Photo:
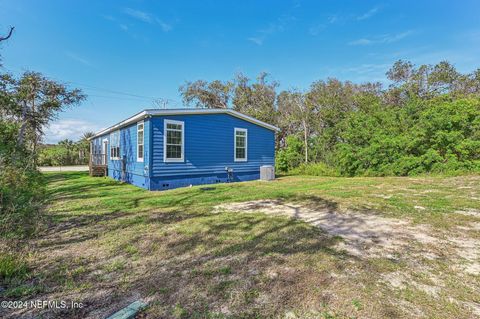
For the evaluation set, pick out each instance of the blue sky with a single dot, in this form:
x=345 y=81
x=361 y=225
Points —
x=125 y=53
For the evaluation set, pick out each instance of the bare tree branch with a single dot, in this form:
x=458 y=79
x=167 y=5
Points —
x=8 y=35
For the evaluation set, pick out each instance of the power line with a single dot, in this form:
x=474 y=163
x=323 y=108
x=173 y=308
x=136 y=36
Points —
x=117 y=97
x=113 y=91
x=92 y=87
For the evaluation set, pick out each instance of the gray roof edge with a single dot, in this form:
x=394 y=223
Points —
x=158 y=112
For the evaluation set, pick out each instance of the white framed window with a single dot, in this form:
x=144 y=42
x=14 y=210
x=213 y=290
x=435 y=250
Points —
x=240 y=145
x=140 y=139
x=115 y=145
x=173 y=141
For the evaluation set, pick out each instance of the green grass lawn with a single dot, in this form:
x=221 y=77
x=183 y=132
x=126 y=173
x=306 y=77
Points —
x=107 y=244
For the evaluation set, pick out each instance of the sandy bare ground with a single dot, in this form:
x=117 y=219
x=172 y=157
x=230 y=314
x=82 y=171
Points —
x=367 y=235
x=372 y=236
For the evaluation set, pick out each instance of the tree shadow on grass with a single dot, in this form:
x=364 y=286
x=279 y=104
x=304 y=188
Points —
x=52 y=177
x=248 y=245
x=195 y=243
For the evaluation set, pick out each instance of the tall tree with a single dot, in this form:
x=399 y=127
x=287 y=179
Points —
x=36 y=101
x=428 y=81
x=296 y=114
x=70 y=149
x=203 y=94
x=84 y=146
x=256 y=99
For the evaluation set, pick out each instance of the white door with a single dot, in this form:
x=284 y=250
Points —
x=105 y=152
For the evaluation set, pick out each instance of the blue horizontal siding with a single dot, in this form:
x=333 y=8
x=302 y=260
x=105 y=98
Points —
x=135 y=171
x=209 y=149
x=209 y=146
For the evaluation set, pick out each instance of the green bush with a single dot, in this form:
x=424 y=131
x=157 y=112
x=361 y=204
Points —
x=291 y=155
x=22 y=189
x=65 y=152
x=12 y=266
x=438 y=136
x=315 y=169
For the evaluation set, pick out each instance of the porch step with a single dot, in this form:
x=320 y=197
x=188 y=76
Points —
x=98 y=171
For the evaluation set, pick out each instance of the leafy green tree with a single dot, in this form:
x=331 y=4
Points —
x=428 y=81
x=84 y=147
x=424 y=121
x=451 y=129
x=203 y=94
x=27 y=105
x=36 y=101
x=255 y=99
x=291 y=155
x=296 y=113
x=443 y=137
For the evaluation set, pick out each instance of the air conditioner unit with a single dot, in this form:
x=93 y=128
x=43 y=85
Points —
x=267 y=173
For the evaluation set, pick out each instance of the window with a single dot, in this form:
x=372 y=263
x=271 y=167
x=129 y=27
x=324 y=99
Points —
x=140 y=138
x=174 y=141
x=240 y=145
x=115 y=145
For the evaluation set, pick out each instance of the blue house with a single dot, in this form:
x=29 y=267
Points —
x=164 y=149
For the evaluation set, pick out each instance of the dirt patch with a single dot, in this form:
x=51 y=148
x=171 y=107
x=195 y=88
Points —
x=363 y=234
x=469 y=212
x=367 y=235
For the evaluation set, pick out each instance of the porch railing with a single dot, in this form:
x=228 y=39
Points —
x=98 y=159
x=98 y=165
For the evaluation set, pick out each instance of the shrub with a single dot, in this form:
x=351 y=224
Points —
x=22 y=188
x=315 y=169
x=438 y=136
x=12 y=266
x=291 y=155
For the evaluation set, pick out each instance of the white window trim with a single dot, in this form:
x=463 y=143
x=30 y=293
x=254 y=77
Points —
x=173 y=160
x=102 y=146
x=235 y=144
x=111 y=145
x=140 y=159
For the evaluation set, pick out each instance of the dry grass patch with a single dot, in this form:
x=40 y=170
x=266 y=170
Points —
x=108 y=244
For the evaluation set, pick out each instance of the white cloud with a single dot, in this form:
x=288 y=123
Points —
x=257 y=41
x=147 y=18
x=108 y=17
x=316 y=29
x=333 y=19
x=278 y=26
x=386 y=38
x=140 y=15
x=362 y=41
x=165 y=26
x=342 y=18
x=68 y=128
x=396 y=37
x=367 y=15
x=74 y=56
